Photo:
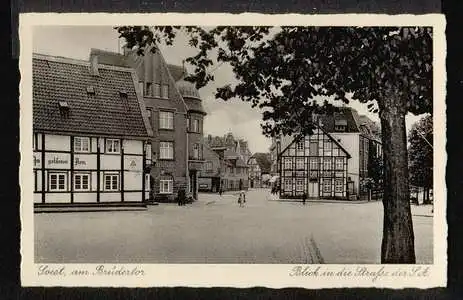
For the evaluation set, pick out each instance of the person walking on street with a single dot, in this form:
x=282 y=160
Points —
x=240 y=199
x=304 y=197
x=220 y=191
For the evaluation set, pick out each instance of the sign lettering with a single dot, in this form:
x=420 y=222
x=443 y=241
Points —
x=78 y=161
x=57 y=161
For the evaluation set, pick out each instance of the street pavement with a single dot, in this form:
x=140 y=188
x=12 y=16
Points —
x=215 y=229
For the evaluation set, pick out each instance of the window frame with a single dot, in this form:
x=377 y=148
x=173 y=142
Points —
x=288 y=161
x=157 y=90
x=195 y=126
x=168 y=118
x=161 y=150
x=300 y=166
x=338 y=183
x=288 y=183
x=339 y=163
x=300 y=145
x=81 y=139
x=81 y=174
x=327 y=183
x=299 y=185
x=170 y=186
x=148 y=89
x=108 y=150
x=57 y=188
x=164 y=91
x=112 y=175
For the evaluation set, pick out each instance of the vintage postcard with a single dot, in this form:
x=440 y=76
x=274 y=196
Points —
x=233 y=150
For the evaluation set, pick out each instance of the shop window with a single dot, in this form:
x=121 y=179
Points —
x=299 y=185
x=339 y=186
x=288 y=184
x=81 y=144
x=166 y=150
x=81 y=182
x=57 y=182
x=327 y=186
x=111 y=182
x=113 y=146
x=166 y=120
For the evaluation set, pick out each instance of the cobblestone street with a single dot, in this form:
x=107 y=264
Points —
x=216 y=230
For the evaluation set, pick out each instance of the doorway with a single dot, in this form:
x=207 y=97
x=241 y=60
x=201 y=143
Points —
x=313 y=188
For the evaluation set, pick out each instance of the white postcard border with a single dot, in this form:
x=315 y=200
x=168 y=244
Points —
x=234 y=275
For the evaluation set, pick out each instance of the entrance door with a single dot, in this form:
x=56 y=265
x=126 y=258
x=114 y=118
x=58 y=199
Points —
x=313 y=189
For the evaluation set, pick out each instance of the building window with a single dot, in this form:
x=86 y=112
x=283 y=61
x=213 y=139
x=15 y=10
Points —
x=195 y=125
x=157 y=90
x=288 y=163
x=209 y=166
x=300 y=145
x=299 y=185
x=57 y=182
x=339 y=163
x=327 y=147
x=313 y=149
x=340 y=128
x=313 y=163
x=188 y=123
x=149 y=112
x=166 y=186
x=327 y=186
x=81 y=144
x=81 y=182
x=166 y=120
x=288 y=184
x=300 y=163
x=339 y=186
x=166 y=150
x=327 y=163
x=197 y=151
x=111 y=182
x=165 y=91
x=148 y=89
x=113 y=146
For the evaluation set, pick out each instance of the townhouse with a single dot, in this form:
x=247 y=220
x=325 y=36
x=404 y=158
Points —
x=175 y=113
x=91 y=137
x=332 y=162
x=255 y=173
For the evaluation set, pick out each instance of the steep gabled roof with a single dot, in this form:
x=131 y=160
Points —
x=300 y=136
x=347 y=114
x=103 y=112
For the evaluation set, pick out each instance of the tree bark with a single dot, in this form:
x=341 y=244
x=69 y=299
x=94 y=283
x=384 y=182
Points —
x=398 y=237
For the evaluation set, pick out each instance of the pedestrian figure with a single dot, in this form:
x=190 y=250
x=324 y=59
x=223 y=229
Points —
x=244 y=197
x=181 y=198
x=220 y=191
x=304 y=197
x=240 y=200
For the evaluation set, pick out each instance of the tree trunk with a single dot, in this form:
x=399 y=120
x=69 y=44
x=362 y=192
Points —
x=398 y=237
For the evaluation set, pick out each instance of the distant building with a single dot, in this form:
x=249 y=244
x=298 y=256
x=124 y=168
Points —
x=176 y=115
x=330 y=163
x=91 y=136
x=229 y=154
x=255 y=173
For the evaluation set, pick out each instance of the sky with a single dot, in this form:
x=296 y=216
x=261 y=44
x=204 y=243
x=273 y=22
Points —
x=231 y=116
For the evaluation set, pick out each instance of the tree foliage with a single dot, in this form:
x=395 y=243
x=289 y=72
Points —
x=263 y=159
x=420 y=152
x=284 y=70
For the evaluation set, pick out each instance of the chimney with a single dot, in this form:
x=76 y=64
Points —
x=94 y=65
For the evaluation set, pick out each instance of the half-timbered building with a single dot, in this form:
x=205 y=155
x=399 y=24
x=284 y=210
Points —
x=91 y=137
x=315 y=165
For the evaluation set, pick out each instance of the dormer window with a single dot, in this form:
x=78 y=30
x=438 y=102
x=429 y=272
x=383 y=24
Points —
x=64 y=108
x=340 y=125
x=123 y=94
x=90 y=90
